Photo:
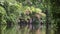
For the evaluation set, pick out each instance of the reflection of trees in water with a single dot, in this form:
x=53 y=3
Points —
x=22 y=23
x=10 y=29
x=9 y=24
x=4 y=28
x=31 y=26
x=24 y=27
x=22 y=30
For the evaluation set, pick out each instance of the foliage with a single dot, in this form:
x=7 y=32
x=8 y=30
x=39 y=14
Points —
x=13 y=11
x=2 y=15
x=55 y=7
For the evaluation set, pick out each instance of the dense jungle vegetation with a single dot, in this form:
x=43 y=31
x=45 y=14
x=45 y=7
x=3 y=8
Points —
x=12 y=10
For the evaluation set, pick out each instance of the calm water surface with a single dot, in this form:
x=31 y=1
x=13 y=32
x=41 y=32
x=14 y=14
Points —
x=17 y=29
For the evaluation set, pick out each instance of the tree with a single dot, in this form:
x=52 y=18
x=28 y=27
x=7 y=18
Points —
x=55 y=7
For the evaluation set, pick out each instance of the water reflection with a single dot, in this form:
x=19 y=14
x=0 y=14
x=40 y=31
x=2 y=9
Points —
x=17 y=29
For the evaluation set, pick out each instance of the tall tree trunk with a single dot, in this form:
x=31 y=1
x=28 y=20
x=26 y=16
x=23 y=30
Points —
x=47 y=21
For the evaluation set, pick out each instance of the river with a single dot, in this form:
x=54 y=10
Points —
x=17 y=29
